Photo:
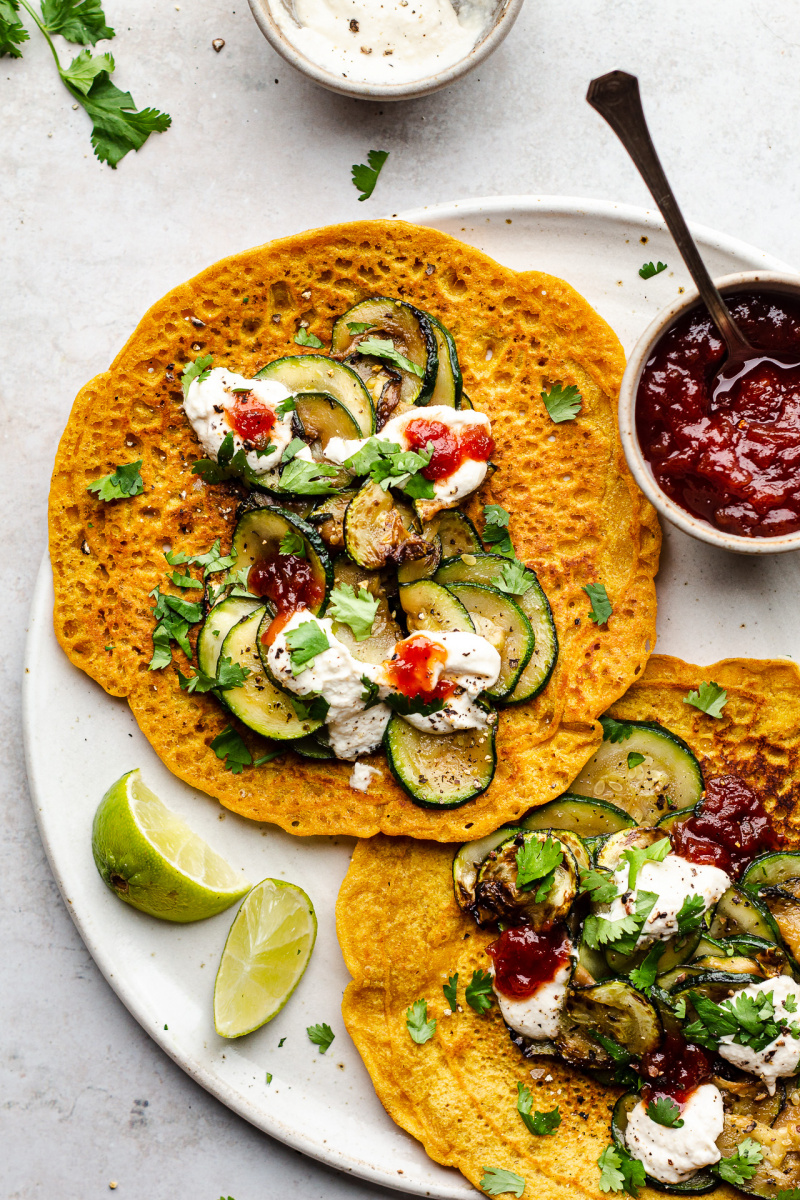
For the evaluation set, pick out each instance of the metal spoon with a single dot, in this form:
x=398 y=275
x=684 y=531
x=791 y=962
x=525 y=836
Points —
x=616 y=97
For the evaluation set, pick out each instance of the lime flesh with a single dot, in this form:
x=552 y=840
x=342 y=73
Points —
x=152 y=860
x=265 y=956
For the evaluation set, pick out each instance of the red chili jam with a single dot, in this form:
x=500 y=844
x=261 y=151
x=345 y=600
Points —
x=675 y=1069
x=731 y=828
x=412 y=669
x=732 y=458
x=451 y=448
x=251 y=419
x=525 y=959
x=288 y=581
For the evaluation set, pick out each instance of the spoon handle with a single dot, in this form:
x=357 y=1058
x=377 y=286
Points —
x=616 y=97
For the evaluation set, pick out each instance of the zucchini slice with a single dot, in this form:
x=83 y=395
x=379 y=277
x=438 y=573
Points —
x=449 y=383
x=378 y=528
x=770 y=870
x=440 y=770
x=738 y=913
x=458 y=534
x=669 y=822
x=669 y=778
x=471 y=567
x=776 y=1131
x=430 y=606
x=591 y=967
x=503 y=623
x=714 y=985
x=614 y=1009
x=328 y=518
x=408 y=329
x=217 y=625
x=701 y=1182
x=497 y=894
x=320 y=418
x=383 y=383
x=312 y=747
x=386 y=633
x=301 y=373
x=467 y=862
x=258 y=536
x=636 y=838
x=258 y=703
x=588 y=818
x=677 y=951
x=422 y=568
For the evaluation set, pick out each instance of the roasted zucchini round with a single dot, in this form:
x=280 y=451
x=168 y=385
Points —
x=440 y=770
x=301 y=373
x=219 y=622
x=409 y=332
x=503 y=623
x=458 y=534
x=498 y=897
x=429 y=606
x=449 y=383
x=467 y=862
x=259 y=533
x=588 y=818
x=380 y=528
x=613 y=1009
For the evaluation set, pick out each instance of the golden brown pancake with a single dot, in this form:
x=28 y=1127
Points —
x=577 y=515
x=402 y=934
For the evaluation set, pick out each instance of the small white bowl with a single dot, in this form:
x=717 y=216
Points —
x=729 y=284
x=505 y=15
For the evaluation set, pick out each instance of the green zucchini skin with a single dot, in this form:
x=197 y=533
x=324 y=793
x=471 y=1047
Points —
x=491 y=604
x=770 y=870
x=410 y=331
x=613 y=1008
x=217 y=625
x=587 y=818
x=739 y=912
x=449 y=382
x=429 y=606
x=701 y=1183
x=440 y=771
x=258 y=535
x=301 y=373
x=458 y=534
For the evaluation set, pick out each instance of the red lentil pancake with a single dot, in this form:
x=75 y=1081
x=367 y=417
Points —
x=576 y=514
x=403 y=934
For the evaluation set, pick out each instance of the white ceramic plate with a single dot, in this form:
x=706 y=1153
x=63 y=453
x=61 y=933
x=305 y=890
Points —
x=711 y=605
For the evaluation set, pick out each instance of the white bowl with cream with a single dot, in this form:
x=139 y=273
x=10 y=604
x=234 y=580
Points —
x=385 y=49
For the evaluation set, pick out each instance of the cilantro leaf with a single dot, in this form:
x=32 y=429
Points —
x=200 y=370
x=637 y=858
x=122 y=482
x=173 y=616
x=710 y=698
x=364 y=459
x=286 y=406
x=12 y=32
x=619 y=1172
x=293 y=449
x=615 y=731
x=650 y=269
x=788 y=1194
x=748 y=1020
x=85 y=67
x=184 y=581
x=229 y=675
x=601 y=884
x=306 y=478
x=601 y=605
x=644 y=976
x=389 y=466
x=690 y=914
x=316 y=709
x=116 y=127
x=742 y=1165
x=305 y=642
x=211 y=561
x=358 y=326
x=495 y=531
x=514 y=578
x=370 y=695
x=230 y=748
x=81 y=21
x=634 y=759
x=623 y=933
x=292 y=543
x=383 y=348
x=304 y=338
x=479 y=992
x=365 y=177
x=790 y=1004
x=539 y=1123
x=562 y=403
x=451 y=992
x=356 y=611
x=664 y=1111
x=496 y=1182
x=407 y=706
x=417 y=1023
x=321 y=1035
x=537 y=861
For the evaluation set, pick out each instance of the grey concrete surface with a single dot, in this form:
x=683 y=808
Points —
x=256 y=151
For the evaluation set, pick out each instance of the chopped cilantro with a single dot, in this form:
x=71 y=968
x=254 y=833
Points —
x=650 y=269
x=269 y=1081
x=370 y=695
x=619 y=1172
x=514 y=578
x=229 y=747
x=321 y=1035
x=623 y=933
x=636 y=858
x=407 y=705
x=495 y=532
x=419 y=1027
x=601 y=605
x=365 y=177
x=562 y=403
x=229 y=675
x=286 y=406
x=690 y=914
x=306 y=478
x=537 y=862
x=313 y=708
x=305 y=642
x=539 y=1123
x=357 y=327
x=304 y=338
x=212 y=561
x=664 y=1111
x=292 y=543
x=742 y=1165
x=644 y=976
x=122 y=482
x=389 y=466
x=710 y=698
x=383 y=348
x=184 y=581
x=450 y=991
x=479 y=992
x=750 y=1021
x=173 y=616
x=496 y=1182
x=634 y=759
x=200 y=370
x=600 y=883
x=356 y=611
x=615 y=731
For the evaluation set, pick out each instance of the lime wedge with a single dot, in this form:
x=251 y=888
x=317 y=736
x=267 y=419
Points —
x=266 y=953
x=151 y=858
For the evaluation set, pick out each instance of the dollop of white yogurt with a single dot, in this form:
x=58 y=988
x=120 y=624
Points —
x=453 y=488
x=675 y=1155
x=208 y=401
x=537 y=1016
x=397 y=41
x=362 y=776
x=672 y=880
x=782 y=1056
x=470 y=661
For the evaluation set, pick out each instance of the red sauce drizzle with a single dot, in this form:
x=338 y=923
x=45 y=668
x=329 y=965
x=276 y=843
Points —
x=675 y=1069
x=450 y=448
x=251 y=419
x=524 y=959
x=733 y=458
x=288 y=581
x=731 y=828
x=412 y=669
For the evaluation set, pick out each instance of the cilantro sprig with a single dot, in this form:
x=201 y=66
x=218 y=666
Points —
x=644 y=976
x=292 y=543
x=537 y=863
x=366 y=176
x=304 y=337
x=600 y=884
x=450 y=990
x=753 y=1021
x=495 y=531
x=198 y=370
x=420 y=1029
x=664 y=1111
x=357 y=611
x=619 y=1172
x=562 y=403
x=383 y=348
x=690 y=914
x=710 y=698
x=321 y=1035
x=540 y=1123
x=407 y=706
x=120 y=484
x=173 y=616
x=649 y=269
x=601 y=605
x=496 y=1181
x=229 y=675
x=479 y=992
x=515 y=578
x=231 y=750
x=622 y=933
x=616 y=731
x=741 y=1166
x=306 y=641
x=636 y=858
x=390 y=466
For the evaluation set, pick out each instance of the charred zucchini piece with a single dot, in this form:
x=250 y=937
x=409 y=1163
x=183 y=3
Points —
x=312 y=747
x=676 y=951
x=503 y=623
x=378 y=529
x=587 y=818
x=636 y=838
x=440 y=771
x=386 y=633
x=715 y=985
x=383 y=383
x=471 y=567
x=320 y=418
x=409 y=331
x=217 y=625
x=422 y=568
x=449 y=383
x=568 y=837
x=328 y=518
x=315 y=373
x=429 y=606
x=457 y=533
x=258 y=703
x=701 y=1182
x=258 y=536
x=467 y=862
x=771 y=870
x=613 y=1009
x=498 y=897
x=778 y=1135
x=737 y=912
x=669 y=778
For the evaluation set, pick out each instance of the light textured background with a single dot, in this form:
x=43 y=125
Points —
x=255 y=152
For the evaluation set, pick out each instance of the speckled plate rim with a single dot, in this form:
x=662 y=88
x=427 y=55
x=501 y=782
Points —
x=50 y=787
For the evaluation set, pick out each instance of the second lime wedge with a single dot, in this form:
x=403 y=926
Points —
x=267 y=951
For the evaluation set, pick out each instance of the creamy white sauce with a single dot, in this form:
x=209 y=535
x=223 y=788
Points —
x=462 y=482
x=537 y=1016
x=474 y=664
x=362 y=776
x=460 y=712
x=672 y=880
x=388 y=42
x=334 y=673
x=782 y=1056
x=206 y=405
x=361 y=734
x=674 y=1155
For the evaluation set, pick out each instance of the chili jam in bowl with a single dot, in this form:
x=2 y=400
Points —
x=724 y=468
